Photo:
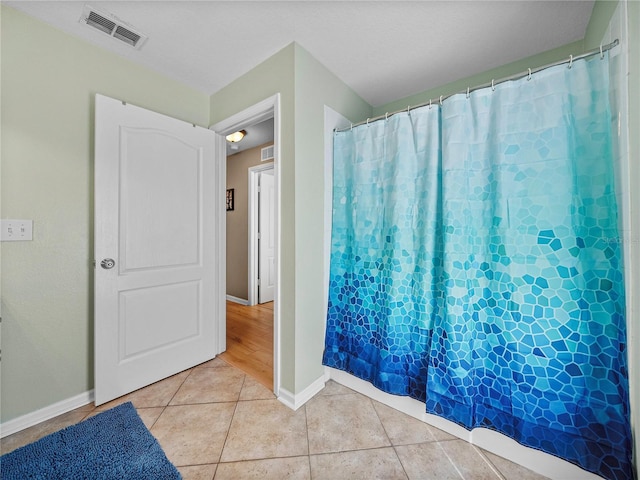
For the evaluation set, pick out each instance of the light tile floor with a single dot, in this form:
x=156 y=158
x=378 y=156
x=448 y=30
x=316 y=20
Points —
x=215 y=422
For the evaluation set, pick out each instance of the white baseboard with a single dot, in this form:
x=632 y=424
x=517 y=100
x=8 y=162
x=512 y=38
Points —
x=494 y=442
x=46 y=413
x=241 y=301
x=295 y=401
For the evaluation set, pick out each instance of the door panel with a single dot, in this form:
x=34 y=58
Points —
x=267 y=244
x=147 y=318
x=155 y=216
x=160 y=214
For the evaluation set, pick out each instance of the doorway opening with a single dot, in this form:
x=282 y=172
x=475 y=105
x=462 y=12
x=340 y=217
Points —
x=261 y=238
x=250 y=324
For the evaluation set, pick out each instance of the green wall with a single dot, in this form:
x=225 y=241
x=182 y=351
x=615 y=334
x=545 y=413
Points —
x=599 y=22
x=461 y=85
x=315 y=87
x=49 y=80
x=275 y=75
x=305 y=87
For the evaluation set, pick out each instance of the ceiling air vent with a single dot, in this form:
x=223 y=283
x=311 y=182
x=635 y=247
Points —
x=266 y=153
x=112 y=26
x=126 y=36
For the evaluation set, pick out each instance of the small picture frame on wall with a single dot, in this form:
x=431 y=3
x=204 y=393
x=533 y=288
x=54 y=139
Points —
x=229 y=199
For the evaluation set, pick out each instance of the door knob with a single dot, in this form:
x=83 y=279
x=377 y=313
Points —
x=108 y=263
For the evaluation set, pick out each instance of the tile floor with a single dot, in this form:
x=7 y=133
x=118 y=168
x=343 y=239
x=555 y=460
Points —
x=215 y=422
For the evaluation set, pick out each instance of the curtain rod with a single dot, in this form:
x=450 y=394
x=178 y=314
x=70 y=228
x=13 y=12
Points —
x=600 y=50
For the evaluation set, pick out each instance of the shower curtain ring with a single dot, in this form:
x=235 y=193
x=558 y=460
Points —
x=601 y=52
x=570 y=61
x=440 y=100
x=529 y=76
x=493 y=87
x=367 y=122
x=467 y=92
x=429 y=104
x=386 y=116
x=352 y=127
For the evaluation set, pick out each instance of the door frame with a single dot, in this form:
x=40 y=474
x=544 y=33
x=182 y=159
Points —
x=267 y=108
x=253 y=203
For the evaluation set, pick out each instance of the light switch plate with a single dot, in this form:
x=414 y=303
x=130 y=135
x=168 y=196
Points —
x=16 y=230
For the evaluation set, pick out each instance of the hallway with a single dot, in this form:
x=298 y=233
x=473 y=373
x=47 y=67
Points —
x=250 y=340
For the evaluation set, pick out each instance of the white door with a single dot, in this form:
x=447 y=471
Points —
x=155 y=241
x=267 y=237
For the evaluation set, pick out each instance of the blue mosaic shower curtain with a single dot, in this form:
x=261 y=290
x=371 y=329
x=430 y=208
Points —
x=383 y=287
x=476 y=266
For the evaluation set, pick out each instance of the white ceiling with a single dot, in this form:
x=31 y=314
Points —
x=257 y=134
x=384 y=50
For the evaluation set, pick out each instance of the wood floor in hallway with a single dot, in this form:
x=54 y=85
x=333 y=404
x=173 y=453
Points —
x=250 y=340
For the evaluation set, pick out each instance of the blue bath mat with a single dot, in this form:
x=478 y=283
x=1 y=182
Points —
x=111 y=445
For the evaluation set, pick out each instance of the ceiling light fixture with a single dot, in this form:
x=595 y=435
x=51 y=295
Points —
x=236 y=136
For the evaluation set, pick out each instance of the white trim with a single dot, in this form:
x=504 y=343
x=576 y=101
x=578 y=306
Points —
x=494 y=442
x=30 y=419
x=239 y=300
x=295 y=401
x=288 y=398
x=267 y=108
x=257 y=113
x=625 y=167
x=253 y=199
x=221 y=241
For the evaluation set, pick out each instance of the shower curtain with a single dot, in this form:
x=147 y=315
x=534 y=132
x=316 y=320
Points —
x=476 y=267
